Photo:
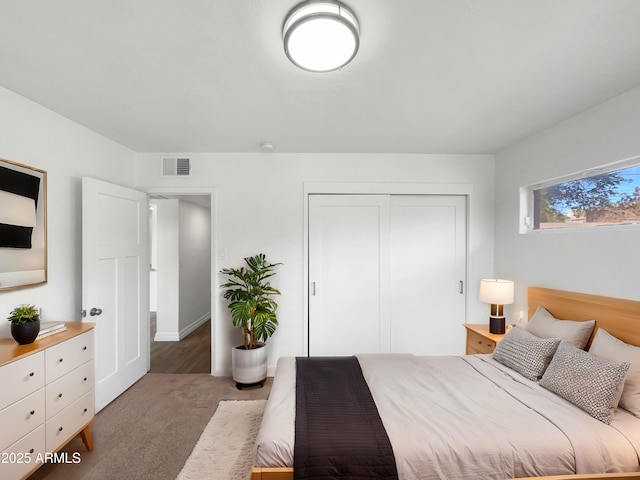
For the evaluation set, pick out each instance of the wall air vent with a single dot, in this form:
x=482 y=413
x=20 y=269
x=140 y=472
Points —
x=176 y=167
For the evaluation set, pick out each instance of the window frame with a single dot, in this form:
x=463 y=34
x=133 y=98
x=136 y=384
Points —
x=528 y=211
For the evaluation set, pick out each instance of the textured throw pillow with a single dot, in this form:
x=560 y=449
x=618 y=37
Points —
x=525 y=353
x=610 y=348
x=545 y=325
x=589 y=382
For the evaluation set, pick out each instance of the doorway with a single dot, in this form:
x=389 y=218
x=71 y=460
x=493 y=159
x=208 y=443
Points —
x=180 y=283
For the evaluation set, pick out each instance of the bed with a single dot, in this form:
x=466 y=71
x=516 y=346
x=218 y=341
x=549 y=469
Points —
x=473 y=427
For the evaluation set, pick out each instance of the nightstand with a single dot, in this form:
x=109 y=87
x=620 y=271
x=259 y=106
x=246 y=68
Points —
x=480 y=340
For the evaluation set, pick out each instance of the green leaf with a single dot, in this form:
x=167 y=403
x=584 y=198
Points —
x=250 y=293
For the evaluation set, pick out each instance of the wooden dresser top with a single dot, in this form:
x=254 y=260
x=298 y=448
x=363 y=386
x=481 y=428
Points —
x=11 y=351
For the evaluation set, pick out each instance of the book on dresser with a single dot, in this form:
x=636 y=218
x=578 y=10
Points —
x=49 y=328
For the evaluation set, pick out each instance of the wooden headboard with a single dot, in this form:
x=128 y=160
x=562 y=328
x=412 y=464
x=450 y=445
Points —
x=619 y=317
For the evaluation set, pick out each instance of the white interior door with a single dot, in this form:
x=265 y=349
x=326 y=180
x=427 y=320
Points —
x=428 y=264
x=115 y=278
x=385 y=274
x=348 y=304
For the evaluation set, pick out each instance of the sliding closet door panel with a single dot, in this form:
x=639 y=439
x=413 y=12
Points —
x=348 y=274
x=428 y=257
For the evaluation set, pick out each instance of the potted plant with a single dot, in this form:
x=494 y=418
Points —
x=25 y=323
x=253 y=310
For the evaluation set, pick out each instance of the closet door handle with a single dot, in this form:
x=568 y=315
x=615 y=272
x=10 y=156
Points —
x=461 y=287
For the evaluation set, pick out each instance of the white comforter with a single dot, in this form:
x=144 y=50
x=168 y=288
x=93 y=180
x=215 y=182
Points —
x=465 y=417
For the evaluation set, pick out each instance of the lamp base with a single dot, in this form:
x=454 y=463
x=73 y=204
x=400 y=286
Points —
x=497 y=325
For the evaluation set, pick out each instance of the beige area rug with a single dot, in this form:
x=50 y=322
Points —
x=225 y=448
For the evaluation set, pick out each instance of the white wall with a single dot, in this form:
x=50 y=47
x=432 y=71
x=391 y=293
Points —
x=33 y=135
x=195 y=266
x=153 y=254
x=168 y=269
x=259 y=208
x=600 y=261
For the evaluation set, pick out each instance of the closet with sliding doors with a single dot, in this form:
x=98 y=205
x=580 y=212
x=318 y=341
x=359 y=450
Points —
x=386 y=274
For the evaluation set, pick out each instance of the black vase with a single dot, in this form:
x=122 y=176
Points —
x=25 y=333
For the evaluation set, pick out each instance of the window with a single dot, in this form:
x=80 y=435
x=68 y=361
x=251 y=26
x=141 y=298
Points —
x=594 y=198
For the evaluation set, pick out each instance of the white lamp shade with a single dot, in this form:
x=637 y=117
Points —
x=321 y=36
x=496 y=291
x=17 y=210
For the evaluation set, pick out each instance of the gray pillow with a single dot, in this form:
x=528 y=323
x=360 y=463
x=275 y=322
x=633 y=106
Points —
x=589 y=382
x=525 y=353
x=607 y=346
x=545 y=325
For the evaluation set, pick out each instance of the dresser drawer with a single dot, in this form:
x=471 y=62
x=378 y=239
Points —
x=21 y=417
x=69 y=421
x=25 y=376
x=21 y=457
x=69 y=388
x=478 y=344
x=67 y=356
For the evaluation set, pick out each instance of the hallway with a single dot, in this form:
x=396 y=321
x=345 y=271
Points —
x=191 y=355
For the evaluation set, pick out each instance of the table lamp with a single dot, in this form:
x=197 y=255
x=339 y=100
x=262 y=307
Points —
x=497 y=292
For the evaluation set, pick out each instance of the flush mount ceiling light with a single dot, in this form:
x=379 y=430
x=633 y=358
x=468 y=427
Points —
x=321 y=36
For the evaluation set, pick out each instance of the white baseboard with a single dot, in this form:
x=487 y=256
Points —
x=190 y=328
x=166 y=337
x=172 y=336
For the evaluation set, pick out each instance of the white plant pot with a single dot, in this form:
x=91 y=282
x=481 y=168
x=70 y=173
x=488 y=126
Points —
x=249 y=366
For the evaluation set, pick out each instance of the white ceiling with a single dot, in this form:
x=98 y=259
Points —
x=431 y=76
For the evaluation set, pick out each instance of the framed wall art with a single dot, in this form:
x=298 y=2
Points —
x=23 y=225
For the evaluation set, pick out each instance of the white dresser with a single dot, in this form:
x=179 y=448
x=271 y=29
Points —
x=46 y=398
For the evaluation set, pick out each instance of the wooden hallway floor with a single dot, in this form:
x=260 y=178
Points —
x=191 y=355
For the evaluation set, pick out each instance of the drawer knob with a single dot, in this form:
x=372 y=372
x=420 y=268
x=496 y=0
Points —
x=84 y=379
x=84 y=348
x=31 y=450
x=61 y=360
x=60 y=429
x=84 y=411
x=31 y=374
x=32 y=412
x=59 y=395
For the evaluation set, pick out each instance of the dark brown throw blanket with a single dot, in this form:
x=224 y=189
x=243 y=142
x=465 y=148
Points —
x=339 y=433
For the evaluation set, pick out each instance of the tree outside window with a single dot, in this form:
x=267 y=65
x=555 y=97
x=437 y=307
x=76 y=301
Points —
x=611 y=198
